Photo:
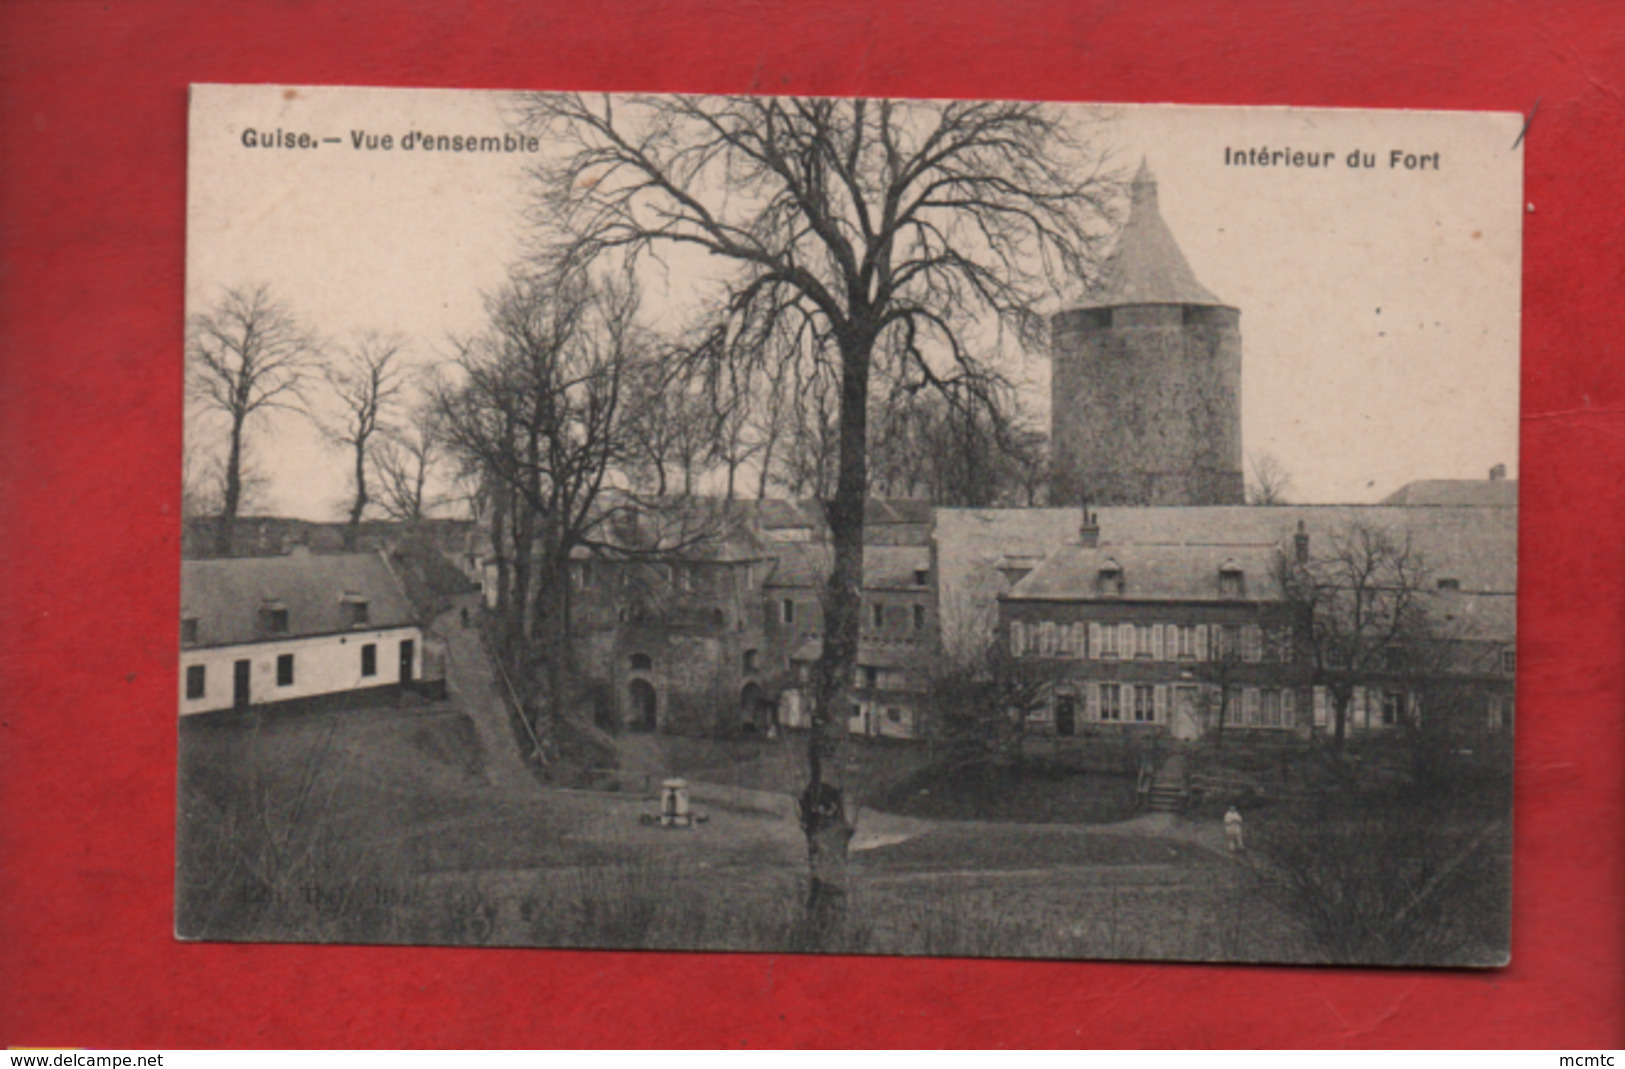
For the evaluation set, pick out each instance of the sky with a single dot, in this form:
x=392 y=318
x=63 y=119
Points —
x=1379 y=306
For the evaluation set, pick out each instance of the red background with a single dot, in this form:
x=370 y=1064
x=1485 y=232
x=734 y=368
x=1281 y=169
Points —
x=92 y=165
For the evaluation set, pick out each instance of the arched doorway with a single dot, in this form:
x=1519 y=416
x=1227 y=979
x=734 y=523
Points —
x=641 y=694
x=751 y=720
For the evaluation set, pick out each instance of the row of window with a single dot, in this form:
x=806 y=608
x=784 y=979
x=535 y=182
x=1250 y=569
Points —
x=1151 y=642
x=877 y=614
x=197 y=676
x=1146 y=703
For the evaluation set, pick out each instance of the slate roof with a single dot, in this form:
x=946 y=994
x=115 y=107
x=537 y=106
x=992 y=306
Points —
x=1152 y=573
x=884 y=567
x=1147 y=266
x=1477 y=546
x=1501 y=493
x=226 y=595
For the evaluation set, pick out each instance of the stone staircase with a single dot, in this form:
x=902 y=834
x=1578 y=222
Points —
x=1170 y=787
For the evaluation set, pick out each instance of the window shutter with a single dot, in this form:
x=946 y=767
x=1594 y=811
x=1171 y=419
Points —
x=1318 y=703
x=1157 y=642
x=1288 y=720
x=1094 y=642
x=1125 y=641
x=1201 y=642
x=1161 y=706
x=1080 y=638
x=1018 y=638
x=1092 y=698
x=1252 y=707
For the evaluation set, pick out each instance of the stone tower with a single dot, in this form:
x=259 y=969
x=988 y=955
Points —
x=1146 y=383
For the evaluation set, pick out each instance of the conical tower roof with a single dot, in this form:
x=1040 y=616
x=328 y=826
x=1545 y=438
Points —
x=1147 y=266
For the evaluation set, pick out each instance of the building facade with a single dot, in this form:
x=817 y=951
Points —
x=1178 y=626
x=264 y=630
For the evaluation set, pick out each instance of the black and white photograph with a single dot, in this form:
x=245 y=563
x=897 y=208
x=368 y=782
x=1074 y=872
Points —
x=966 y=528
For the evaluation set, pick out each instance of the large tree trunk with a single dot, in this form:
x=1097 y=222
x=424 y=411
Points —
x=825 y=810
x=225 y=531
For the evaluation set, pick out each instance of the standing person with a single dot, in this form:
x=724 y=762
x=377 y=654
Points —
x=1232 y=830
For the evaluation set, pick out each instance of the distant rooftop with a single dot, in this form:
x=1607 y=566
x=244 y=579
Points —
x=312 y=593
x=1501 y=493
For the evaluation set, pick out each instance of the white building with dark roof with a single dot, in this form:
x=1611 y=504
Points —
x=261 y=630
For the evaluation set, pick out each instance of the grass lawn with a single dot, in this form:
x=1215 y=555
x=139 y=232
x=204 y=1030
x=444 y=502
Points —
x=379 y=825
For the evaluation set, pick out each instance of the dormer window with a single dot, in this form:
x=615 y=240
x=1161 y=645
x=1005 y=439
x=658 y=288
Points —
x=922 y=577
x=1109 y=580
x=189 y=629
x=274 y=618
x=1232 y=581
x=357 y=610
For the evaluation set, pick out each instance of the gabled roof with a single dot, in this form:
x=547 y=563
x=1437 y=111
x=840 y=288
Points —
x=1147 y=266
x=225 y=596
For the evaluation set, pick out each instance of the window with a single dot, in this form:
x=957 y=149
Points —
x=1111 y=701
x=750 y=660
x=871 y=676
x=284 y=670
x=369 y=660
x=1449 y=584
x=1509 y=661
x=1252 y=643
x=359 y=612
x=919 y=617
x=1110 y=579
x=1108 y=640
x=787 y=611
x=1142 y=641
x=895 y=716
x=274 y=620
x=1231 y=581
x=1018 y=638
x=1392 y=709
x=189 y=631
x=1145 y=703
x=878 y=612
x=642 y=662
x=1229 y=641
x=1046 y=638
x=1271 y=715
x=196 y=681
x=1187 y=642
x=921 y=577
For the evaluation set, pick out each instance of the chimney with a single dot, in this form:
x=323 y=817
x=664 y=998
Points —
x=1498 y=473
x=1300 y=544
x=1089 y=531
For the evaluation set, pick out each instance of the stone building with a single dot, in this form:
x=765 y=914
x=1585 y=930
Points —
x=718 y=639
x=1162 y=621
x=1146 y=379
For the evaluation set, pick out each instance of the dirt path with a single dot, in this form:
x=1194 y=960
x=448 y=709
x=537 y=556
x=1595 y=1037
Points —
x=473 y=684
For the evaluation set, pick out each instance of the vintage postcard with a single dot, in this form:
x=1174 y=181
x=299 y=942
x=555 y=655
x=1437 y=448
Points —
x=863 y=526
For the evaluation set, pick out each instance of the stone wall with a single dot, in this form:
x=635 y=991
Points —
x=1146 y=406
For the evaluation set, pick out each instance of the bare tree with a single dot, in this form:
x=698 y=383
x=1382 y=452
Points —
x=366 y=380
x=840 y=223
x=406 y=460
x=1270 y=484
x=1360 y=608
x=246 y=356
